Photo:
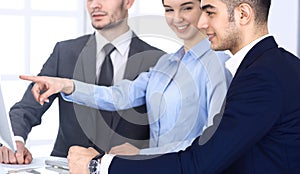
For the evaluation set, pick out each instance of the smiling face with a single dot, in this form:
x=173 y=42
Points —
x=182 y=16
x=222 y=32
x=107 y=13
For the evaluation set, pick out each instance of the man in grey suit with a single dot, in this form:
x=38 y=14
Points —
x=82 y=59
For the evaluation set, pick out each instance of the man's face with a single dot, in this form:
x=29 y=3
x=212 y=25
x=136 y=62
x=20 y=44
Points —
x=107 y=13
x=222 y=33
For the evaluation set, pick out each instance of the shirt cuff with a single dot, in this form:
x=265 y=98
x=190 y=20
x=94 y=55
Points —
x=81 y=91
x=105 y=163
x=19 y=138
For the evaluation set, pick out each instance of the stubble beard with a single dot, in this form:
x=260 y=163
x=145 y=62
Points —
x=108 y=26
x=229 y=40
x=111 y=24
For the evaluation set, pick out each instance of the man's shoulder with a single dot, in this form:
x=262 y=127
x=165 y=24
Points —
x=81 y=39
x=140 y=45
x=76 y=44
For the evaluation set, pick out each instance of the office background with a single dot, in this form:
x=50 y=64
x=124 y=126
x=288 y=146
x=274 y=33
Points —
x=30 y=28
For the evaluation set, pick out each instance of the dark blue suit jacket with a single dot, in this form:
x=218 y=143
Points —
x=259 y=132
x=80 y=125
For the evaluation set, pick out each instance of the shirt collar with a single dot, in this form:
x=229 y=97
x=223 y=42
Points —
x=196 y=52
x=234 y=62
x=121 y=43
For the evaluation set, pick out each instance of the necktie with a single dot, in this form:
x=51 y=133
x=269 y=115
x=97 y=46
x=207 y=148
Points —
x=106 y=79
x=107 y=70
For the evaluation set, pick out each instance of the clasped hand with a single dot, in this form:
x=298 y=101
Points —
x=22 y=156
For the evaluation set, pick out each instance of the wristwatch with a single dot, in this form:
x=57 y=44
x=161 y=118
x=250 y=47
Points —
x=94 y=165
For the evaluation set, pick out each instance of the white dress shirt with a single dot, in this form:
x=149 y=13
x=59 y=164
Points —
x=234 y=62
x=119 y=56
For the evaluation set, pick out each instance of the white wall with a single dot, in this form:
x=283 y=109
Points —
x=147 y=20
x=29 y=29
x=284 y=24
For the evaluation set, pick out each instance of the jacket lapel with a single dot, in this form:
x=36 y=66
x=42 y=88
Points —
x=256 y=52
x=134 y=59
x=85 y=69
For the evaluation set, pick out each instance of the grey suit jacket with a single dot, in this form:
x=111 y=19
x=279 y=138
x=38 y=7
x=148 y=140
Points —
x=80 y=125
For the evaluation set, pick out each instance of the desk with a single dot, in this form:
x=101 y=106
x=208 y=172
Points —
x=41 y=170
x=36 y=171
x=36 y=167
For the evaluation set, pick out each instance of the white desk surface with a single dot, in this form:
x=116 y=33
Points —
x=36 y=167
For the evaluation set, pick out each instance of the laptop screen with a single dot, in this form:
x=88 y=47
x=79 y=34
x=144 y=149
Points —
x=6 y=133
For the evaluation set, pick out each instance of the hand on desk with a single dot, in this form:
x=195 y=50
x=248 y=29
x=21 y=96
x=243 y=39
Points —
x=22 y=156
x=79 y=159
x=125 y=149
x=49 y=86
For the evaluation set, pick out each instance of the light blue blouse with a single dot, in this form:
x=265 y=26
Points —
x=182 y=93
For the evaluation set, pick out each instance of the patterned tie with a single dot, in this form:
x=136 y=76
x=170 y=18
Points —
x=107 y=69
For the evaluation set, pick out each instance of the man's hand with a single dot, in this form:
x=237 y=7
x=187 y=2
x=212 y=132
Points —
x=22 y=156
x=79 y=159
x=46 y=86
x=124 y=149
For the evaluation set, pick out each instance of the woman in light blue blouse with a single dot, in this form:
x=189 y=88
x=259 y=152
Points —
x=182 y=92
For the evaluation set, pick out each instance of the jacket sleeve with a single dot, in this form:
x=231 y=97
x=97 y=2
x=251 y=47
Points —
x=27 y=113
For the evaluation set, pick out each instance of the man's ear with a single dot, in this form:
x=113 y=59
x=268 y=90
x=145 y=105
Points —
x=128 y=4
x=244 y=13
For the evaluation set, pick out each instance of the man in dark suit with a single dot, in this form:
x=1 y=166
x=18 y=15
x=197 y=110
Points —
x=258 y=130
x=77 y=58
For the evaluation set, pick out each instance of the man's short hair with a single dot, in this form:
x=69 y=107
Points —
x=261 y=8
x=163 y=2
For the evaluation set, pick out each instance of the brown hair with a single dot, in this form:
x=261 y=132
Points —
x=163 y=2
x=261 y=8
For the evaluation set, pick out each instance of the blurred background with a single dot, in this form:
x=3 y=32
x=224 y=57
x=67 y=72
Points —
x=30 y=28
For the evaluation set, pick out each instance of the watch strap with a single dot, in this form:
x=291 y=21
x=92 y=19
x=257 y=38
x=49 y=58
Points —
x=99 y=150
x=97 y=157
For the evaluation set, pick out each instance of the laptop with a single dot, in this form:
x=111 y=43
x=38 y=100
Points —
x=6 y=133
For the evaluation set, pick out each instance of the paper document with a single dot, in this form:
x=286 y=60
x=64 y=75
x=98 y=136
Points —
x=57 y=164
x=16 y=168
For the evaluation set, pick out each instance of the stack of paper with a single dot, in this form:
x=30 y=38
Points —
x=13 y=168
